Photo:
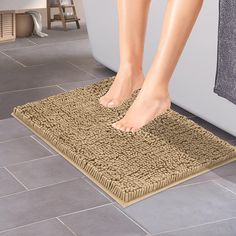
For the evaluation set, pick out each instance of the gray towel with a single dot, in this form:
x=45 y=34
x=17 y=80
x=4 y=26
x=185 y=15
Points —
x=225 y=81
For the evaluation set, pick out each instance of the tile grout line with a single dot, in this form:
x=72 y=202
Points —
x=13 y=59
x=90 y=81
x=17 y=48
x=43 y=145
x=32 y=189
x=76 y=66
x=35 y=65
x=56 y=183
x=222 y=186
x=66 y=226
x=191 y=184
x=24 y=162
x=69 y=41
x=61 y=88
x=44 y=44
x=134 y=221
x=28 y=89
x=35 y=44
x=13 y=139
x=194 y=226
x=88 y=209
x=85 y=179
x=22 y=226
x=55 y=217
x=16 y=178
x=12 y=194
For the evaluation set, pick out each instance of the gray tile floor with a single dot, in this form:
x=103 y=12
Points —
x=42 y=194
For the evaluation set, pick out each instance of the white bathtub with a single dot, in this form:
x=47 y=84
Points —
x=193 y=81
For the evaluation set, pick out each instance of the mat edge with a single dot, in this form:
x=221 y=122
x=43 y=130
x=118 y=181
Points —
x=122 y=203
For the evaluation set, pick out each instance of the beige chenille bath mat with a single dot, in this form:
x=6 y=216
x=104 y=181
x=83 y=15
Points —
x=129 y=167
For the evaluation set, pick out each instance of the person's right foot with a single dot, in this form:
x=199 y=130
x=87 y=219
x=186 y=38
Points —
x=125 y=84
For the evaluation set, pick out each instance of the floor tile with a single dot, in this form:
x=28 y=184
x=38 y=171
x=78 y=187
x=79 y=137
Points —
x=223 y=228
x=183 y=207
x=8 y=183
x=181 y=110
x=57 y=34
x=97 y=70
x=40 y=141
x=51 y=227
x=98 y=188
x=11 y=99
x=17 y=130
x=86 y=61
x=48 y=202
x=228 y=182
x=19 y=150
x=19 y=43
x=41 y=76
x=215 y=130
x=224 y=171
x=78 y=50
x=233 y=142
x=81 y=84
x=105 y=221
x=48 y=171
x=7 y=64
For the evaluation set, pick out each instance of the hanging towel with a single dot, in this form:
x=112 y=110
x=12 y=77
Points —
x=38 y=26
x=225 y=81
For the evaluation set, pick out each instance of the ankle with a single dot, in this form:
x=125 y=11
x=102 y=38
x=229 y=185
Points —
x=131 y=69
x=158 y=94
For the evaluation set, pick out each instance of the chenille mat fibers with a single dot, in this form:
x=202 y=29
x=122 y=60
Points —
x=127 y=166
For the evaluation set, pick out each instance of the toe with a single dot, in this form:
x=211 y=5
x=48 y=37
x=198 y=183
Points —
x=116 y=125
x=113 y=103
x=103 y=100
x=122 y=128
x=133 y=130
x=127 y=129
x=110 y=103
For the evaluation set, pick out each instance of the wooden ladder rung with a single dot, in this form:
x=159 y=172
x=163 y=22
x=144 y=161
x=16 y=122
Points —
x=63 y=6
x=71 y=20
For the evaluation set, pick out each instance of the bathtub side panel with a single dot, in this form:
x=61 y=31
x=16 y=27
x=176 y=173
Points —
x=193 y=80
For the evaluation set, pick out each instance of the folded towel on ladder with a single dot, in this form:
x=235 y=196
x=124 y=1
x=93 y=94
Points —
x=225 y=81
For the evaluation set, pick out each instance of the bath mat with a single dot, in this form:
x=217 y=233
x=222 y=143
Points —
x=129 y=167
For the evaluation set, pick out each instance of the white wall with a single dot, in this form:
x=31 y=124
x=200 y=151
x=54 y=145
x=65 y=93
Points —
x=21 y=4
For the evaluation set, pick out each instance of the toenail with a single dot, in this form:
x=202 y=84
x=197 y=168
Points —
x=110 y=104
x=133 y=130
x=127 y=129
x=117 y=126
x=122 y=129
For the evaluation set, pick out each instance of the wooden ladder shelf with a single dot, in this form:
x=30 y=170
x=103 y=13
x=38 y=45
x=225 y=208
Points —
x=62 y=13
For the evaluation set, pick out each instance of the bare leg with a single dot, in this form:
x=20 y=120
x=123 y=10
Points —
x=132 y=27
x=154 y=97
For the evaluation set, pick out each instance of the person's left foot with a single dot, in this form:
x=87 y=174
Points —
x=146 y=107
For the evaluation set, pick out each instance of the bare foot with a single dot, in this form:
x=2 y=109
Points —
x=125 y=84
x=146 y=107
